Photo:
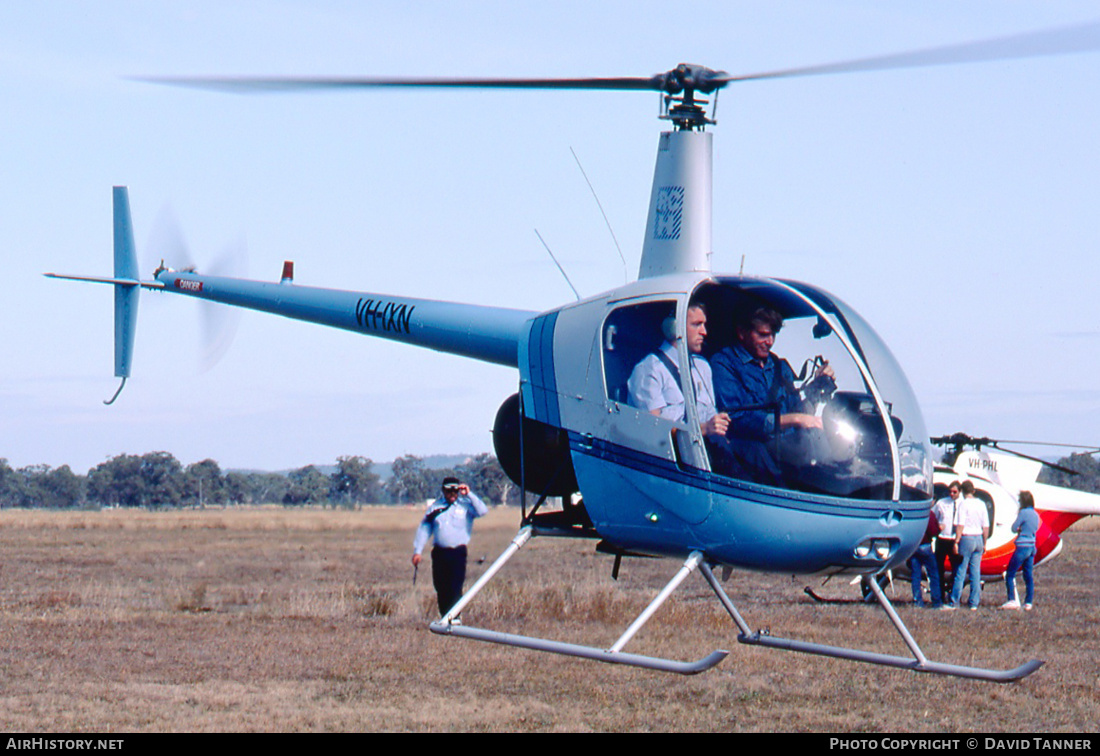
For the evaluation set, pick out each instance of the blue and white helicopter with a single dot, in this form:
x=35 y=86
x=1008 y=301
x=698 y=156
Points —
x=636 y=483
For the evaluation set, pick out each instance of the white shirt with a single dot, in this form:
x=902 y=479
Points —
x=944 y=510
x=452 y=526
x=652 y=387
x=971 y=517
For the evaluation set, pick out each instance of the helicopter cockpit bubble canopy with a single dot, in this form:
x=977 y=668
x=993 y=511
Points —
x=868 y=442
x=872 y=443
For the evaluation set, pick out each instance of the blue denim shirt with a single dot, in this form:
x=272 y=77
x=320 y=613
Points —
x=741 y=381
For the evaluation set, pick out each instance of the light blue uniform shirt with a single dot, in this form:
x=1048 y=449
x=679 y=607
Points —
x=452 y=527
x=652 y=387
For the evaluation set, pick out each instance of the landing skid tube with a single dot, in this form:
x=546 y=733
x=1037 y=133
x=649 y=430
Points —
x=585 y=652
x=448 y=625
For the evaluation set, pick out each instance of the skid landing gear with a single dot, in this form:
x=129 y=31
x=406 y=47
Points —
x=615 y=654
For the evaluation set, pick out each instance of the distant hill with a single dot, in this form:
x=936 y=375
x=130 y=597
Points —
x=385 y=469
x=432 y=462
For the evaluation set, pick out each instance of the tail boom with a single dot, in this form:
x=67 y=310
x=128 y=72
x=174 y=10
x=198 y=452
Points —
x=490 y=334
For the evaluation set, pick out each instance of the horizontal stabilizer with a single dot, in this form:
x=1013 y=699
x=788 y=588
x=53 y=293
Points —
x=107 y=280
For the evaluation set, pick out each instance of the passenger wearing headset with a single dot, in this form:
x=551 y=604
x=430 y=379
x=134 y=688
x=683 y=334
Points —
x=654 y=384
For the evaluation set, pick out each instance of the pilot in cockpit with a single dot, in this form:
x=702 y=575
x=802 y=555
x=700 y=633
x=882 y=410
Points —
x=655 y=386
x=757 y=389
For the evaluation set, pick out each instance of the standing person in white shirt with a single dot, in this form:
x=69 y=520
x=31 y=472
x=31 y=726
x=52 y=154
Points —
x=944 y=512
x=449 y=522
x=971 y=529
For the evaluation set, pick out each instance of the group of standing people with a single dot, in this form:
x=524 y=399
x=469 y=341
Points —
x=958 y=529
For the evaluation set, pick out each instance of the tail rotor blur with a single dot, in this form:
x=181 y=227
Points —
x=219 y=323
x=168 y=248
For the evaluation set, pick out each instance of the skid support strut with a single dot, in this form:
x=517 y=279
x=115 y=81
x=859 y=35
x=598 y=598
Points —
x=613 y=655
x=919 y=663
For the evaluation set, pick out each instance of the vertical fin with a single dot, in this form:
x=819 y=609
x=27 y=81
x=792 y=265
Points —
x=678 y=229
x=126 y=294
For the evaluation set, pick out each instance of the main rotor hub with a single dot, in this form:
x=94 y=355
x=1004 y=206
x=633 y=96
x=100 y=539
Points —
x=680 y=86
x=688 y=77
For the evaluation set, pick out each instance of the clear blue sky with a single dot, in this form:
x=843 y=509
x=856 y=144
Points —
x=956 y=208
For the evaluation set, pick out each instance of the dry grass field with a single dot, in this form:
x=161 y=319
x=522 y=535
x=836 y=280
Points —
x=271 y=620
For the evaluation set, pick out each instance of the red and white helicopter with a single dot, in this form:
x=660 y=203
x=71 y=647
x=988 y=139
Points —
x=999 y=475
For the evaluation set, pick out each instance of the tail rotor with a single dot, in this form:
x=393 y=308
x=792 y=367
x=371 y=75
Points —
x=168 y=248
x=218 y=328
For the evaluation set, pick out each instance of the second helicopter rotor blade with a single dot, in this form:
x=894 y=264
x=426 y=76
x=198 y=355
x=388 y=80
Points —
x=1051 y=465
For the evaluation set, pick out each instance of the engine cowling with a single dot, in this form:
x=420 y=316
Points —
x=545 y=466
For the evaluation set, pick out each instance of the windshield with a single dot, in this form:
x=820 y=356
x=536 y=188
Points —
x=815 y=401
x=914 y=447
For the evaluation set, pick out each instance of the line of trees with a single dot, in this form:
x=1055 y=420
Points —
x=1087 y=467
x=158 y=479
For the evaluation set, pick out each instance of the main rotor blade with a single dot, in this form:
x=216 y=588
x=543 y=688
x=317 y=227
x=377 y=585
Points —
x=1084 y=449
x=1059 y=41
x=245 y=84
x=685 y=77
x=958 y=440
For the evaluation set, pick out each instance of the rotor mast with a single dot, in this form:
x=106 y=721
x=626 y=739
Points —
x=679 y=227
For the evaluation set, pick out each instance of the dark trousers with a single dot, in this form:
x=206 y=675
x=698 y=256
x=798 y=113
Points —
x=923 y=560
x=448 y=575
x=947 y=561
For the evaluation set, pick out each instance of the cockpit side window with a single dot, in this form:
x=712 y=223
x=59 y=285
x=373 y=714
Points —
x=630 y=334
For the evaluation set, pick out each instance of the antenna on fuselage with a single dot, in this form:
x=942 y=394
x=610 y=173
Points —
x=605 y=219
x=563 y=273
